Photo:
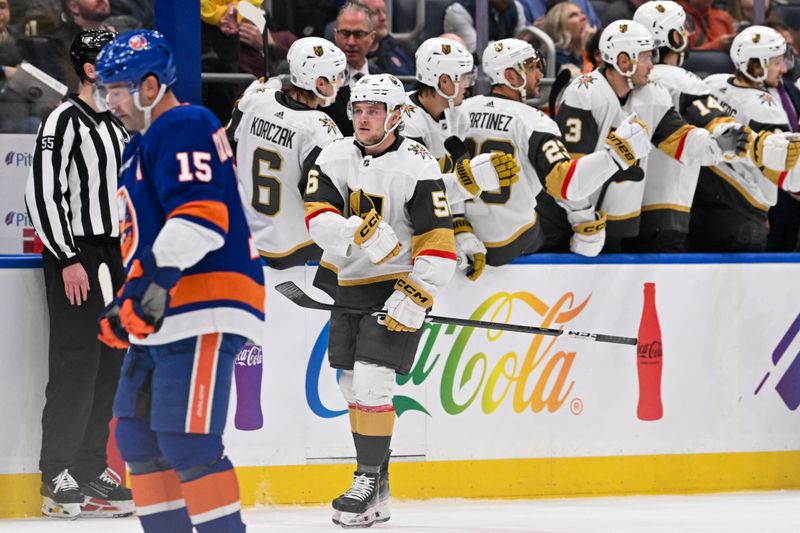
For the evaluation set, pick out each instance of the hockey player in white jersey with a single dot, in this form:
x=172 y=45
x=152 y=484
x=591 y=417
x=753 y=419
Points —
x=594 y=105
x=732 y=199
x=506 y=221
x=278 y=136
x=670 y=185
x=376 y=203
x=433 y=113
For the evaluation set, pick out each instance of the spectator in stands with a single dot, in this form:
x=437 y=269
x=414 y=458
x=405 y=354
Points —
x=792 y=72
x=535 y=10
x=304 y=18
x=387 y=54
x=220 y=41
x=13 y=108
x=122 y=23
x=566 y=24
x=709 y=28
x=742 y=13
x=354 y=35
x=251 y=48
x=620 y=9
x=506 y=18
x=593 y=57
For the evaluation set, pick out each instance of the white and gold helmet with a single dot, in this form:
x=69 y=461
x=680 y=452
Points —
x=311 y=58
x=666 y=20
x=624 y=36
x=508 y=53
x=760 y=43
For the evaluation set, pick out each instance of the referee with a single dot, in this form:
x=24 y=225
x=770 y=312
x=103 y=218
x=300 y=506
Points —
x=71 y=199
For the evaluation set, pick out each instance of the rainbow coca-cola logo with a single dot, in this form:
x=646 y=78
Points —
x=788 y=385
x=475 y=368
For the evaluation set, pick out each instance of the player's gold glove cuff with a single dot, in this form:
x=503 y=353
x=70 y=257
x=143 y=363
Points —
x=593 y=226
x=419 y=296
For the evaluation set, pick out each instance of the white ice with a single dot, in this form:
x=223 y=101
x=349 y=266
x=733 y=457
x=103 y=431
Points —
x=758 y=512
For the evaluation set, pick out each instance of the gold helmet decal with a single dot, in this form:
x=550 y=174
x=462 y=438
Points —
x=445 y=48
x=756 y=37
x=623 y=28
x=394 y=80
x=660 y=8
x=498 y=47
x=318 y=51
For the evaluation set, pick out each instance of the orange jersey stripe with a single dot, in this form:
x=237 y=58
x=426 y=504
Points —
x=211 y=492
x=155 y=488
x=196 y=288
x=210 y=210
x=204 y=376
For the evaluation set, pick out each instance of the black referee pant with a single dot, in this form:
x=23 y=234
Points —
x=83 y=371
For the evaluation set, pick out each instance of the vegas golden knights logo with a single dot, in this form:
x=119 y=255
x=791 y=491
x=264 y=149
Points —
x=756 y=37
x=660 y=8
x=498 y=47
x=318 y=50
x=623 y=28
x=445 y=48
x=394 y=80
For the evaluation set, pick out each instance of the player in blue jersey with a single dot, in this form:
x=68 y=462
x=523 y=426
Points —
x=194 y=293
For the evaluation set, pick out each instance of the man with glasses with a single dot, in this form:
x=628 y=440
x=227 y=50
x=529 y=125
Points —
x=354 y=35
x=733 y=198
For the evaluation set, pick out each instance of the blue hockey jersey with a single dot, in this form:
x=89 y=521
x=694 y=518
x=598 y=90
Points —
x=182 y=167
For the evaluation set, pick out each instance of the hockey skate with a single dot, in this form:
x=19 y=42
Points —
x=61 y=497
x=106 y=497
x=383 y=512
x=358 y=506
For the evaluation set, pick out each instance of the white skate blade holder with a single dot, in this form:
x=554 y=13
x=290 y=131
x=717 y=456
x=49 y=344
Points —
x=69 y=511
x=355 y=520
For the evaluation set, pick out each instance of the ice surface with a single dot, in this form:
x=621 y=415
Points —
x=757 y=512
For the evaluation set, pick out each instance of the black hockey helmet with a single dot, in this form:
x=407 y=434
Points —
x=85 y=47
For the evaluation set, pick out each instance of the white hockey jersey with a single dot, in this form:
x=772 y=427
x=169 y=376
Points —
x=431 y=132
x=277 y=141
x=404 y=185
x=742 y=183
x=506 y=220
x=590 y=110
x=420 y=126
x=670 y=184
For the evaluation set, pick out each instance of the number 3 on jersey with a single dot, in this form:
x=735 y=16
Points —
x=266 y=187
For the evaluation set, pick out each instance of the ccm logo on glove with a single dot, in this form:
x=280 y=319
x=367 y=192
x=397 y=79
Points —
x=421 y=298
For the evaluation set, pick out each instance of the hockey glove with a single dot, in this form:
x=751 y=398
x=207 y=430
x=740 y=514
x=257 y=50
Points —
x=146 y=294
x=406 y=307
x=629 y=142
x=470 y=251
x=733 y=139
x=111 y=331
x=367 y=230
x=589 y=232
x=487 y=172
x=775 y=151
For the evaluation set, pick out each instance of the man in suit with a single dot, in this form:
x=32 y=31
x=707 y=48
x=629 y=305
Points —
x=354 y=35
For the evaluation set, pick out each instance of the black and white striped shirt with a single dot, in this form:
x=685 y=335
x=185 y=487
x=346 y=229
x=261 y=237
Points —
x=72 y=186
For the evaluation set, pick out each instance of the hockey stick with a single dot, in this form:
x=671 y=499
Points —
x=561 y=81
x=296 y=295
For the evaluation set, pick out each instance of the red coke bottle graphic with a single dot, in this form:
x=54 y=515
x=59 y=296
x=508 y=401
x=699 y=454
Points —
x=649 y=359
